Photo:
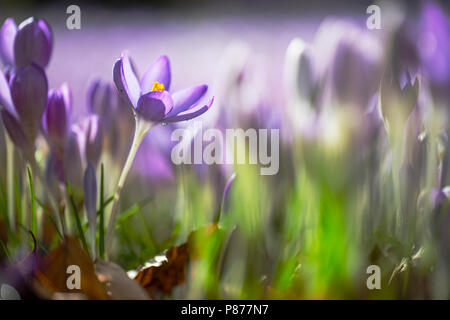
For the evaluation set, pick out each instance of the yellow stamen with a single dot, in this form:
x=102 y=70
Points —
x=157 y=86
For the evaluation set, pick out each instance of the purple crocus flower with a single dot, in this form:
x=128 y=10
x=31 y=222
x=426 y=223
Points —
x=56 y=118
x=33 y=43
x=150 y=98
x=24 y=103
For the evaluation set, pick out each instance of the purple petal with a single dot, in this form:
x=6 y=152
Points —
x=154 y=105
x=190 y=114
x=67 y=95
x=100 y=100
x=90 y=193
x=14 y=130
x=33 y=43
x=126 y=81
x=94 y=139
x=5 y=94
x=158 y=71
x=93 y=92
x=56 y=118
x=187 y=98
x=29 y=94
x=7 y=35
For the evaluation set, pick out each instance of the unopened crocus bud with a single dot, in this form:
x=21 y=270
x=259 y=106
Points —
x=29 y=94
x=355 y=70
x=33 y=43
x=7 y=35
x=56 y=118
x=100 y=100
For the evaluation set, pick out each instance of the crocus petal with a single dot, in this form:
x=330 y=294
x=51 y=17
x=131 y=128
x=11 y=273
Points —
x=93 y=90
x=126 y=82
x=14 y=130
x=29 y=94
x=187 y=98
x=56 y=118
x=7 y=35
x=33 y=43
x=94 y=139
x=67 y=95
x=158 y=71
x=90 y=193
x=100 y=100
x=154 y=105
x=190 y=114
x=5 y=94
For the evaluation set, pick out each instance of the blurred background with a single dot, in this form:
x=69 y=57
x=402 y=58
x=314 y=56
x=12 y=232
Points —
x=357 y=181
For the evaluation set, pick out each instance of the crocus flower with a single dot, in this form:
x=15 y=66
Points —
x=33 y=43
x=100 y=100
x=355 y=71
x=115 y=121
x=150 y=98
x=24 y=103
x=151 y=104
x=56 y=117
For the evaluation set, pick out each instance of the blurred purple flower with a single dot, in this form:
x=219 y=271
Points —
x=33 y=43
x=94 y=139
x=24 y=101
x=155 y=150
x=355 y=71
x=150 y=98
x=434 y=48
x=56 y=118
x=115 y=120
x=100 y=101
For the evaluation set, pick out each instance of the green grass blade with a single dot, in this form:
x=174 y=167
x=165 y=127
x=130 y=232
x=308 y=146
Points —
x=49 y=216
x=5 y=248
x=77 y=217
x=101 y=225
x=33 y=221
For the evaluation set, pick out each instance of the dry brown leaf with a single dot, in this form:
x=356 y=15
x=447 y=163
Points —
x=51 y=277
x=160 y=280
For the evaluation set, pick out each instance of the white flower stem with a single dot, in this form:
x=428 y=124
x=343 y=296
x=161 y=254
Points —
x=141 y=129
